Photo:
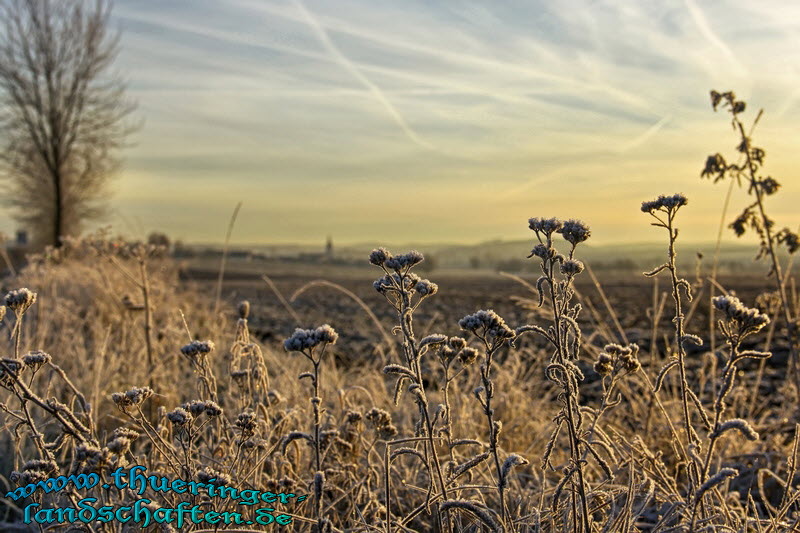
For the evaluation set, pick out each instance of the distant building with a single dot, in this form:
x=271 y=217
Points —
x=329 y=248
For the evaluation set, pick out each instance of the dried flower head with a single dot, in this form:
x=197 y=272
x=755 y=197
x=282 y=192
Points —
x=381 y=421
x=457 y=343
x=769 y=185
x=131 y=398
x=240 y=377
x=9 y=371
x=379 y=256
x=604 y=364
x=214 y=477
x=212 y=409
x=36 y=359
x=715 y=166
x=20 y=300
x=180 y=417
x=542 y=251
x=42 y=465
x=746 y=320
x=426 y=288
x=486 y=323
x=119 y=445
x=126 y=432
x=91 y=455
x=437 y=339
x=404 y=261
x=306 y=339
x=575 y=231
x=353 y=417
x=668 y=204
x=789 y=239
x=545 y=226
x=468 y=355
x=247 y=422
x=196 y=348
x=618 y=360
x=572 y=267
x=244 y=309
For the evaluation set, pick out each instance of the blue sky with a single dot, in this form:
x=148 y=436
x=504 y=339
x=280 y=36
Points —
x=443 y=121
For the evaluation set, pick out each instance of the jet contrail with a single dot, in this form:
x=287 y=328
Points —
x=644 y=137
x=702 y=24
x=348 y=65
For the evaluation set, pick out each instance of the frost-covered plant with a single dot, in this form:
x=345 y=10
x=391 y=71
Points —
x=612 y=364
x=738 y=323
x=312 y=344
x=664 y=209
x=405 y=291
x=754 y=215
x=493 y=333
x=564 y=335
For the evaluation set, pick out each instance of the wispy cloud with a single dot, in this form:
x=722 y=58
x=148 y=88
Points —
x=361 y=117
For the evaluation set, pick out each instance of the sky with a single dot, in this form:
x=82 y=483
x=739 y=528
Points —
x=431 y=121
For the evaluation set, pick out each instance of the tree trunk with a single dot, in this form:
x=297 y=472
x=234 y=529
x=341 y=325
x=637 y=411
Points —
x=57 y=214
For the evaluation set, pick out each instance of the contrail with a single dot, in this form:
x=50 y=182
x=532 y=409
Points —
x=469 y=59
x=702 y=24
x=644 y=137
x=348 y=65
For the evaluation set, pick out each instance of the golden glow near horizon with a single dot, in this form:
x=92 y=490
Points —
x=444 y=121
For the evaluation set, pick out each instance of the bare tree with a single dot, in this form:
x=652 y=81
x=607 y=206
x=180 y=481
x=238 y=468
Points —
x=63 y=113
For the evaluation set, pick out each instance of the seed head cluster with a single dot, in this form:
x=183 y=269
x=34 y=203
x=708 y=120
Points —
x=132 y=397
x=20 y=300
x=575 y=231
x=487 y=322
x=306 y=339
x=572 y=267
x=668 y=203
x=384 y=258
x=197 y=348
x=545 y=226
x=36 y=359
x=616 y=359
x=747 y=320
